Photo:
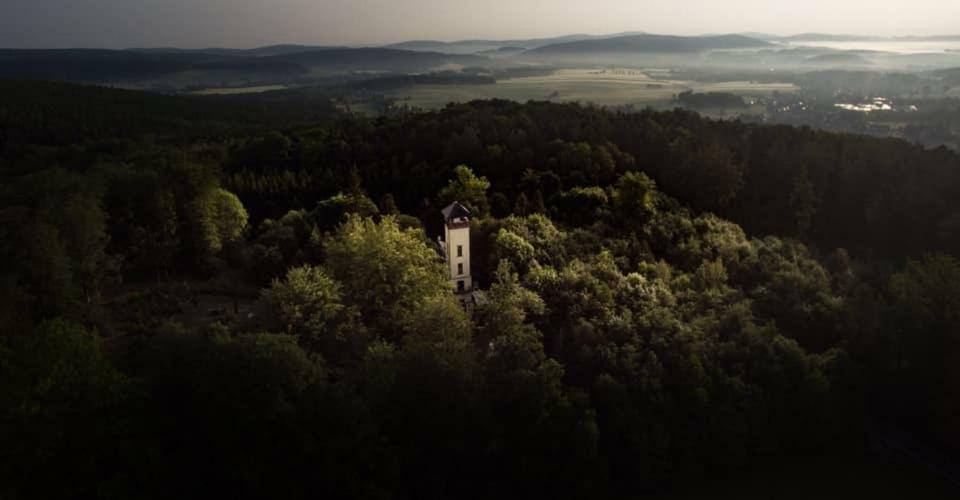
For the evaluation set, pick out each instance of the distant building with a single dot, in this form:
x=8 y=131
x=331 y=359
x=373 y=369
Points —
x=455 y=246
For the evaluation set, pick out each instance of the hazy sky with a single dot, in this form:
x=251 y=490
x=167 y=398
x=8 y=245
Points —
x=246 y=23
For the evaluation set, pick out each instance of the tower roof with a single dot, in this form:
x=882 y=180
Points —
x=455 y=211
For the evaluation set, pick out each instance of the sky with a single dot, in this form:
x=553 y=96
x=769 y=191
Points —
x=250 y=23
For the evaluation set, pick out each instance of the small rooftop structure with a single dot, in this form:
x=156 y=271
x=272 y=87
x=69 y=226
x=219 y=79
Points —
x=455 y=212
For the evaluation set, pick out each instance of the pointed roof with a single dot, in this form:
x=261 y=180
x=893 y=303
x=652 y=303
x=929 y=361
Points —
x=455 y=211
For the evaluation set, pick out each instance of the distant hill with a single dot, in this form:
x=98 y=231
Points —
x=650 y=44
x=54 y=114
x=115 y=66
x=942 y=38
x=502 y=51
x=486 y=46
x=760 y=36
x=267 y=51
x=461 y=47
x=177 y=69
x=826 y=37
x=377 y=59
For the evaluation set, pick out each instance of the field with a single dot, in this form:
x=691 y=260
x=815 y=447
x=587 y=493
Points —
x=607 y=87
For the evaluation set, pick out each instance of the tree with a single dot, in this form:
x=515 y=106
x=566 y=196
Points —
x=222 y=219
x=388 y=206
x=709 y=178
x=582 y=206
x=522 y=206
x=925 y=324
x=634 y=199
x=37 y=266
x=154 y=240
x=499 y=205
x=85 y=229
x=469 y=190
x=441 y=325
x=335 y=210
x=234 y=399
x=309 y=304
x=514 y=249
x=514 y=341
x=386 y=272
x=57 y=393
x=528 y=397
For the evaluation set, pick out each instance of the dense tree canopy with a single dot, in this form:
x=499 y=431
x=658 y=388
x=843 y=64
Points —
x=663 y=299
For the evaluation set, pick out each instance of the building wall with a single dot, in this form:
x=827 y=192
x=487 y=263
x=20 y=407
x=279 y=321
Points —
x=454 y=237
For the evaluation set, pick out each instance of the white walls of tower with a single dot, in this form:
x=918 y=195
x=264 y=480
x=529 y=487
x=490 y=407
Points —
x=458 y=257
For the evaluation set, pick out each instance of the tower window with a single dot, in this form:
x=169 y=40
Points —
x=460 y=269
x=461 y=286
x=459 y=250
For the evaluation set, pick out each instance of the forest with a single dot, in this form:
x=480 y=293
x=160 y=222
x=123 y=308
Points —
x=241 y=297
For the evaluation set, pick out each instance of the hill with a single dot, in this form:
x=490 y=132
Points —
x=651 y=44
x=826 y=37
x=269 y=50
x=377 y=59
x=117 y=66
x=178 y=69
x=502 y=52
x=483 y=45
x=43 y=116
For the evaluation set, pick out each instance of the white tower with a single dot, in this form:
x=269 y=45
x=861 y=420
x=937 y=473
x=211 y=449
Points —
x=456 y=246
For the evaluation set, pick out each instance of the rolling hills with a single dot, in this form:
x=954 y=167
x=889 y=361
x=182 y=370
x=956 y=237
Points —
x=651 y=44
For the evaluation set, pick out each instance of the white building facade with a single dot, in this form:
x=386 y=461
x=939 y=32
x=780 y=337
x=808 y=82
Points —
x=456 y=246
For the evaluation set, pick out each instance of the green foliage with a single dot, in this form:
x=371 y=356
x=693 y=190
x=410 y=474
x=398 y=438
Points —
x=634 y=199
x=57 y=395
x=626 y=340
x=85 y=230
x=385 y=271
x=514 y=342
x=388 y=206
x=222 y=218
x=514 y=249
x=711 y=177
x=292 y=240
x=333 y=211
x=218 y=397
x=309 y=305
x=925 y=342
x=582 y=206
x=928 y=288
x=469 y=190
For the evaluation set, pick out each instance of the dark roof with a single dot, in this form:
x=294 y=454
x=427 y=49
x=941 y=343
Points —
x=455 y=211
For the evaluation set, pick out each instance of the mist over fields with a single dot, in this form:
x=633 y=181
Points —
x=294 y=64
x=822 y=80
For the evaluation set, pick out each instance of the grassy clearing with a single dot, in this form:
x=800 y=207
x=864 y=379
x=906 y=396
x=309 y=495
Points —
x=603 y=87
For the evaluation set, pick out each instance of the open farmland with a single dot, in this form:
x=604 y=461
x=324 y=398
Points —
x=610 y=87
